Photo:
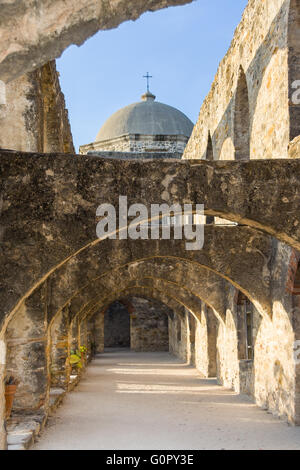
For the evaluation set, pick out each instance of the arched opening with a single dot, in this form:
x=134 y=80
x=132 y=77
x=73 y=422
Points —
x=117 y=326
x=245 y=327
x=210 y=324
x=242 y=119
x=178 y=329
x=209 y=149
x=210 y=220
x=191 y=325
x=137 y=323
x=294 y=68
x=245 y=343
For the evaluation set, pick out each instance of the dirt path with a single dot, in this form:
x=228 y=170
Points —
x=130 y=400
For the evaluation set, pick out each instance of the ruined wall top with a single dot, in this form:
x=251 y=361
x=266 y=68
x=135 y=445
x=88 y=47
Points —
x=252 y=94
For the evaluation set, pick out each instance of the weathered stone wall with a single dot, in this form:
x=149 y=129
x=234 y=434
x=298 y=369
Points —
x=201 y=346
x=20 y=124
x=28 y=354
x=206 y=351
x=271 y=377
x=137 y=323
x=34 y=117
x=249 y=113
x=234 y=371
x=97 y=337
x=44 y=221
x=149 y=325
x=274 y=363
x=227 y=346
x=59 y=349
x=57 y=130
x=178 y=341
x=252 y=112
x=190 y=321
x=251 y=90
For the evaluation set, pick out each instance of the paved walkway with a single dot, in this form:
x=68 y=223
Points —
x=130 y=400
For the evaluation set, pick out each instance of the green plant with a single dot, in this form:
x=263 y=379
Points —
x=75 y=359
x=76 y=356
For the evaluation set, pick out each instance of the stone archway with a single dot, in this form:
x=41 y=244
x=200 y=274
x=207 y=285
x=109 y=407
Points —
x=209 y=148
x=55 y=26
x=242 y=119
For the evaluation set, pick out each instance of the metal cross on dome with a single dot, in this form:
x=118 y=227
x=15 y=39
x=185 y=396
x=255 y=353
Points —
x=147 y=77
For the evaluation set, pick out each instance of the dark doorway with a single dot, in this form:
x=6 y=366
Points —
x=117 y=326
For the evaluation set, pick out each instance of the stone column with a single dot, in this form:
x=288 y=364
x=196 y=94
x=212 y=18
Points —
x=241 y=331
x=74 y=334
x=83 y=333
x=201 y=342
x=98 y=333
x=178 y=334
x=211 y=322
x=206 y=343
x=83 y=339
x=27 y=352
x=60 y=349
x=191 y=329
x=90 y=337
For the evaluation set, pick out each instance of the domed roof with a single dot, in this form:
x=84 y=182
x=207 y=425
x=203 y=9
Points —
x=147 y=117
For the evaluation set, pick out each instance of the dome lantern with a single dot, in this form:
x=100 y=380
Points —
x=148 y=96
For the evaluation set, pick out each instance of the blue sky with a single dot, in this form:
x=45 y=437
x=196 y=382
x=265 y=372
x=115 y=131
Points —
x=180 y=46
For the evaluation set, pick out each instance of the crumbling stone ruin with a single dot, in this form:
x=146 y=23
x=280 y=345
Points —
x=232 y=308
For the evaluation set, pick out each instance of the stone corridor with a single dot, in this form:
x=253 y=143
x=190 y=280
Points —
x=229 y=309
x=128 y=400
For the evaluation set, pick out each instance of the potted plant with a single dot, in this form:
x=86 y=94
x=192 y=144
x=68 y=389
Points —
x=11 y=384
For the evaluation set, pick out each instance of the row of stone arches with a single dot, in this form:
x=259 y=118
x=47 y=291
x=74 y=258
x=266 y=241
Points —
x=241 y=122
x=237 y=145
x=49 y=353
x=100 y=295
x=100 y=272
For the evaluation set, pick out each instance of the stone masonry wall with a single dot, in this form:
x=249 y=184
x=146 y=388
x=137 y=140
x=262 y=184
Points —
x=34 y=117
x=149 y=325
x=250 y=112
x=259 y=50
x=178 y=341
x=271 y=378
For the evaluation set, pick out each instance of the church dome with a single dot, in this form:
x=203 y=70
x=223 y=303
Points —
x=147 y=117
